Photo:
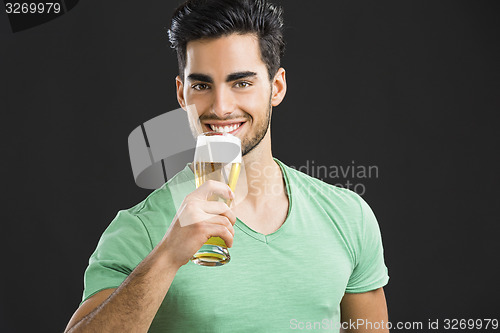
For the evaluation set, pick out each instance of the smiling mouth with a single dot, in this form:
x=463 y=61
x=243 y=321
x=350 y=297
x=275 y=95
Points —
x=226 y=128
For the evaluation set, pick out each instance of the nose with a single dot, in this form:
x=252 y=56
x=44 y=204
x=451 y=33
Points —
x=223 y=104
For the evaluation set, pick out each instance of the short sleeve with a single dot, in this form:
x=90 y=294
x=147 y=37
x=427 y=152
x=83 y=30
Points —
x=122 y=246
x=370 y=271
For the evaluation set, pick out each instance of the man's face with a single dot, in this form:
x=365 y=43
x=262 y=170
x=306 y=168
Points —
x=227 y=81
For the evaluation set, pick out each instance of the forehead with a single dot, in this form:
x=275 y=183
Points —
x=224 y=55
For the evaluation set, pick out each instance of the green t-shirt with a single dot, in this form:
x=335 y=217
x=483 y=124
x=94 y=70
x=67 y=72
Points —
x=329 y=244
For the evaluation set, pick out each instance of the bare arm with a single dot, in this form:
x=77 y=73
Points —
x=132 y=306
x=88 y=306
x=368 y=311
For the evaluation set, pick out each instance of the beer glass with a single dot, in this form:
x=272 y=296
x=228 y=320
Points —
x=217 y=157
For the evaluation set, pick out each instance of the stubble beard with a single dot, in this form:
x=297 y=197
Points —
x=248 y=144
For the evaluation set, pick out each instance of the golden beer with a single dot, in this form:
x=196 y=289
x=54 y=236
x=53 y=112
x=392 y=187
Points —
x=224 y=165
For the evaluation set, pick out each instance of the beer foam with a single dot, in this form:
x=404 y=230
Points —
x=223 y=148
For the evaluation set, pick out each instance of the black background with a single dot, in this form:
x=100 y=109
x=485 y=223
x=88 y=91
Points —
x=411 y=87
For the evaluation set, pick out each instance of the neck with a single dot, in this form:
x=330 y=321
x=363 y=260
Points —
x=261 y=177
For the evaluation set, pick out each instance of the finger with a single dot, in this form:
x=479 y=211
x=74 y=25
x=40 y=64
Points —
x=219 y=208
x=211 y=187
x=222 y=232
x=219 y=220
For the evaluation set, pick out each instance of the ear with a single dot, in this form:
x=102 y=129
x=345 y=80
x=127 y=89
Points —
x=180 y=92
x=279 y=87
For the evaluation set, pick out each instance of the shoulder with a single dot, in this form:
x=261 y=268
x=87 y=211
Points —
x=155 y=213
x=343 y=209
x=168 y=196
x=315 y=189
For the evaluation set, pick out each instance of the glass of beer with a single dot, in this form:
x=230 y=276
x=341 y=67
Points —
x=217 y=157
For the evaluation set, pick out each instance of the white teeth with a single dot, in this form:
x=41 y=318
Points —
x=225 y=129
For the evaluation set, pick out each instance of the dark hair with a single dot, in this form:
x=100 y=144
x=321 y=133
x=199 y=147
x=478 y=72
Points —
x=197 y=19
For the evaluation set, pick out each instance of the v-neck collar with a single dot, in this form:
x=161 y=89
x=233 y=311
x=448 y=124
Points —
x=269 y=237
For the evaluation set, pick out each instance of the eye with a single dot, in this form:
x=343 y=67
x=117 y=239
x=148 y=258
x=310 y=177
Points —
x=242 y=84
x=200 y=86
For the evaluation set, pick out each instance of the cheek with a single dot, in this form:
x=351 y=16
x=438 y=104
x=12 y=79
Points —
x=201 y=101
x=248 y=102
x=258 y=101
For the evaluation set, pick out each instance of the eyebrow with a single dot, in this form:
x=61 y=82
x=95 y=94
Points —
x=200 y=77
x=240 y=75
x=229 y=78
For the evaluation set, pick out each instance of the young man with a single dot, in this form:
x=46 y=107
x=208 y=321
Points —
x=304 y=253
